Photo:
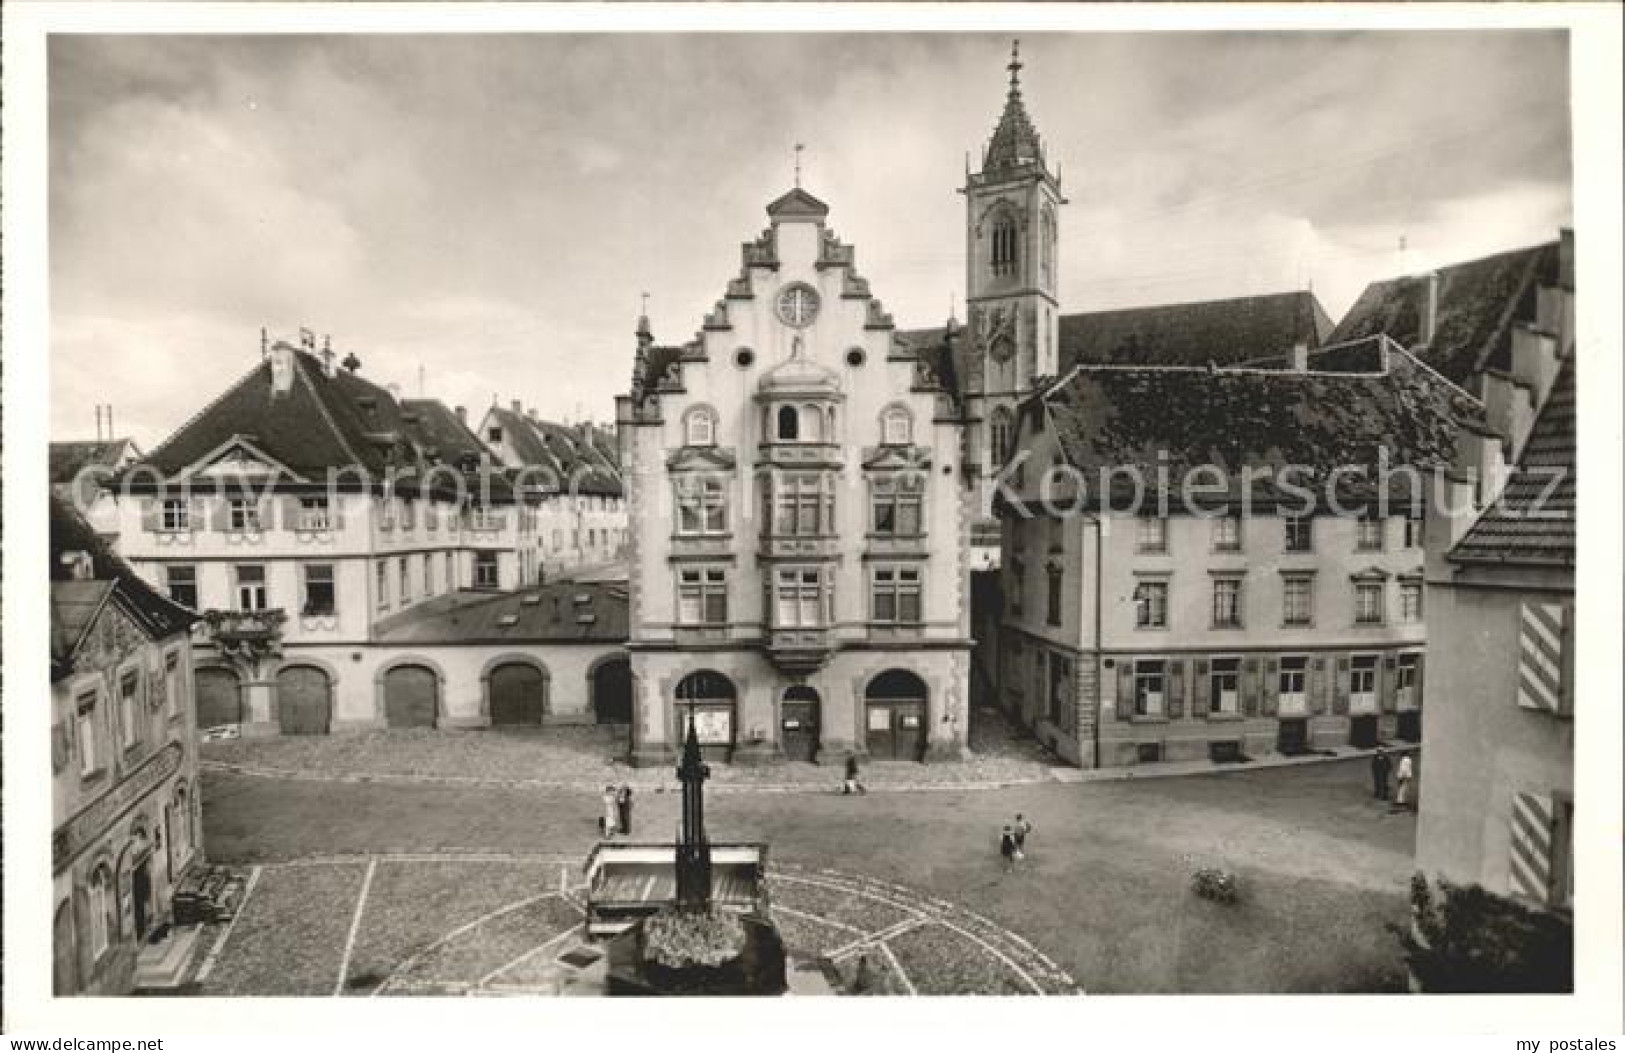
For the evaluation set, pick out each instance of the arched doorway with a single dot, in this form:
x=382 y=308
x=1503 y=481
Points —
x=894 y=716
x=712 y=699
x=800 y=719
x=411 y=697
x=219 y=697
x=304 y=700
x=518 y=695
x=612 y=692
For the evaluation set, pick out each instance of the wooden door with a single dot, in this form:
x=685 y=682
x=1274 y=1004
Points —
x=304 y=701
x=799 y=722
x=219 y=699
x=518 y=695
x=908 y=730
x=141 y=897
x=1293 y=737
x=1363 y=732
x=411 y=697
x=1410 y=725
x=612 y=692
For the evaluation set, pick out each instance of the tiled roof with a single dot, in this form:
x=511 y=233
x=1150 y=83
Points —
x=439 y=433
x=1224 y=332
x=1186 y=418
x=560 y=612
x=322 y=422
x=577 y=455
x=1478 y=303
x=75 y=602
x=1533 y=519
x=1015 y=141
x=68 y=459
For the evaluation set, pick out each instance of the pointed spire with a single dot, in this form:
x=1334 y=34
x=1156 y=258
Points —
x=1014 y=141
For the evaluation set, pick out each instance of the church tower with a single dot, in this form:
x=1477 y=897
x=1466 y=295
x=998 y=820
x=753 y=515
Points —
x=1011 y=230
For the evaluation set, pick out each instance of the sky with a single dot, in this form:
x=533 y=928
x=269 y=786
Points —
x=476 y=216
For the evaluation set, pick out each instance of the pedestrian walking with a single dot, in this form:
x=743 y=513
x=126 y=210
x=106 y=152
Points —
x=611 y=817
x=1405 y=774
x=1019 y=830
x=623 y=808
x=1381 y=765
x=1007 y=847
x=852 y=785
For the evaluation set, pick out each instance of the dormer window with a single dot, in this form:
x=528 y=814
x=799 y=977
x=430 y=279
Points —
x=700 y=427
x=896 y=427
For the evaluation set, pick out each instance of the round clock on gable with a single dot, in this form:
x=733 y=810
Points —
x=798 y=305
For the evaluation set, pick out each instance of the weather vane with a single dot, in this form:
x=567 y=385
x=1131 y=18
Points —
x=1015 y=64
x=645 y=309
x=799 y=147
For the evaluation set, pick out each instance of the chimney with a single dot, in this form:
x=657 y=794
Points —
x=327 y=356
x=1429 y=325
x=282 y=365
x=1300 y=357
x=462 y=415
x=81 y=567
x=517 y=407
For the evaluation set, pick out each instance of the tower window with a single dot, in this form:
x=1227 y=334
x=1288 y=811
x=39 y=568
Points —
x=1000 y=431
x=1004 y=246
x=789 y=423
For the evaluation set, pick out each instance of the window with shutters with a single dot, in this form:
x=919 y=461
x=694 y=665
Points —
x=1292 y=687
x=1407 y=682
x=129 y=709
x=1297 y=600
x=1363 y=684
x=1541 y=841
x=1224 y=687
x=1300 y=533
x=315 y=514
x=243 y=516
x=485 y=570
x=895 y=595
x=180 y=580
x=702 y=596
x=176 y=516
x=1151 y=605
x=84 y=730
x=251 y=592
x=1151 y=534
x=321 y=597
x=1227 y=534
x=1368 y=603
x=1410 y=602
x=1227 y=603
x=1150 y=687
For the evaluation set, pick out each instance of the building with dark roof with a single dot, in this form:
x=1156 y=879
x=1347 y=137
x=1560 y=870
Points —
x=126 y=822
x=571 y=476
x=1497 y=792
x=1464 y=319
x=304 y=507
x=1206 y=562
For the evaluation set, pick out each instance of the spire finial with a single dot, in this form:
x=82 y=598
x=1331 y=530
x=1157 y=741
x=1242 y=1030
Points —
x=1015 y=66
x=799 y=147
x=645 y=308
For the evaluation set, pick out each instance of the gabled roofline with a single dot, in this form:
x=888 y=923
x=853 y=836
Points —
x=235 y=441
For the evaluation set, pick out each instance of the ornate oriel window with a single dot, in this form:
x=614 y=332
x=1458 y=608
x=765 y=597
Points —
x=804 y=598
x=803 y=504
